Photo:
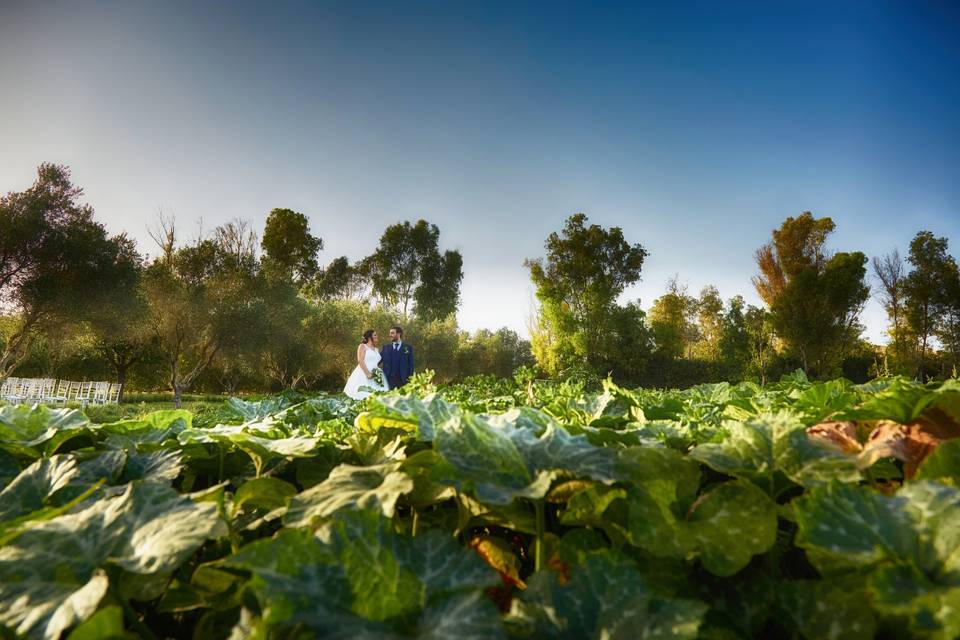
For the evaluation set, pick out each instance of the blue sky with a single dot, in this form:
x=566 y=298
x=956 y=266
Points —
x=696 y=126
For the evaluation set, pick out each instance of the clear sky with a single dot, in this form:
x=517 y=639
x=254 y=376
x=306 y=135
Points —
x=696 y=126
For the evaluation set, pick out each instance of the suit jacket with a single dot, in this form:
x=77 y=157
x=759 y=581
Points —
x=397 y=364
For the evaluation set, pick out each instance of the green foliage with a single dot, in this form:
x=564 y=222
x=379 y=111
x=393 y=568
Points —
x=289 y=249
x=814 y=299
x=408 y=271
x=578 y=284
x=496 y=508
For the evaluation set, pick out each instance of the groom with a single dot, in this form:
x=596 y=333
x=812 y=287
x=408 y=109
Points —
x=397 y=359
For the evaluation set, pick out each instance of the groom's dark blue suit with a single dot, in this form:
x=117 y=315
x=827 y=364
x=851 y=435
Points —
x=397 y=363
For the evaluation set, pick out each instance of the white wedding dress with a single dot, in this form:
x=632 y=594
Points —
x=359 y=379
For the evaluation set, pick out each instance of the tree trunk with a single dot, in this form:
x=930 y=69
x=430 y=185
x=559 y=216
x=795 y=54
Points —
x=175 y=383
x=122 y=379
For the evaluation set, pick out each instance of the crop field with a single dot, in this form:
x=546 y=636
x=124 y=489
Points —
x=498 y=508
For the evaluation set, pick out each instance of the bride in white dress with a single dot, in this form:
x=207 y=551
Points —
x=368 y=359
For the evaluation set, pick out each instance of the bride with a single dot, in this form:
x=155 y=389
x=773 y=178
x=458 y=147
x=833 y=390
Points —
x=368 y=357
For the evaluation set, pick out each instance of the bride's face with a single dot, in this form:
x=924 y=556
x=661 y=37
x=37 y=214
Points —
x=374 y=340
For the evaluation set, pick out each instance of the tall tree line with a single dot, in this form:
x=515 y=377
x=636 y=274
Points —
x=813 y=297
x=229 y=311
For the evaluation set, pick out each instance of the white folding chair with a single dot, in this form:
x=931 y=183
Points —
x=85 y=393
x=114 y=395
x=73 y=391
x=101 y=391
x=47 y=388
x=33 y=390
x=62 y=393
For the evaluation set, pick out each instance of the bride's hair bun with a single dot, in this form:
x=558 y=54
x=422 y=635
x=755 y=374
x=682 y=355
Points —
x=367 y=335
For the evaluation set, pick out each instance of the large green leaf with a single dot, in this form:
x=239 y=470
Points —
x=9 y=468
x=906 y=544
x=774 y=449
x=30 y=431
x=943 y=464
x=55 y=571
x=31 y=489
x=424 y=417
x=605 y=598
x=662 y=513
x=146 y=432
x=349 y=487
x=358 y=577
x=55 y=481
x=518 y=454
x=485 y=459
x=725 y=527
x=824 y=610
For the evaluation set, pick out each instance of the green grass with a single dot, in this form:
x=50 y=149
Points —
x=127 y=410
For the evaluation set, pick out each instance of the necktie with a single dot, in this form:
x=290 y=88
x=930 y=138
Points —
x=395 y=346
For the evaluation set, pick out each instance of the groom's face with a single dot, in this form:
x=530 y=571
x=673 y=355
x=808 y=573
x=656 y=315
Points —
x=394 y=336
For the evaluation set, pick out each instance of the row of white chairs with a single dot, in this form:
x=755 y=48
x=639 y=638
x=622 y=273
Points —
x=53 y=391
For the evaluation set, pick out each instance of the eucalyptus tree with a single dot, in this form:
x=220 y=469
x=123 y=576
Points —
x=409 y=272
x=57 y=264
x=585 y=271
x=815 y=298
x=203 y=302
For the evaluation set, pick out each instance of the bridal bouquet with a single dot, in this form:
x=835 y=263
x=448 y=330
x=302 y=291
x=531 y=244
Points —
x=377 y=375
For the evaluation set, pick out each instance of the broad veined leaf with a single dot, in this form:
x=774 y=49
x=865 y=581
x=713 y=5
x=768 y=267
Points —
x=725 y=527
x=262 y=493
x=55 y=569
x=357 y=576
x=943 y=464
x=825 y=610
x=9 y=468
x=56 y=481
x=106 y=624
x=25 y=430
x=485 y=459
x=518 y=454
x=146 y=432
x=906 y=543
x=31 y=489
x=410 y=413
x=662 y=513
x=605 y=598
x=156 y=466
x=774 y=449
x=349 y=487
x=557 y=450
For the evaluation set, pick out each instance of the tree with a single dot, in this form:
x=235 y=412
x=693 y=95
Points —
x=760 y=332
x=577 y=285
x=408 y=272
x=118 y=323
x=202 y=303
x=888 y=270
x=815 y=299
x=734 y=342
x=710 y=317
x=56 y=263
x=289 y=249
x=798 y=245
x=339 y=279
x=925 y=292
x=949 y=332
x=672 y=321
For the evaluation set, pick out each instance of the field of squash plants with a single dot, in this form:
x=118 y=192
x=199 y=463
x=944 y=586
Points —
x=492 y=509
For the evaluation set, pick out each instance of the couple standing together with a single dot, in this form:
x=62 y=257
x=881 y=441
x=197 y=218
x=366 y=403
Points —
x=380 y=369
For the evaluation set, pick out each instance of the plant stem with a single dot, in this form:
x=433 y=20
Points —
x=539 y=549
x=220 y=472
x=416 y=522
